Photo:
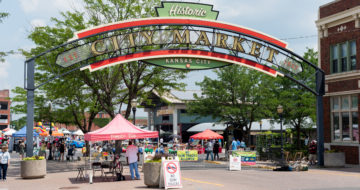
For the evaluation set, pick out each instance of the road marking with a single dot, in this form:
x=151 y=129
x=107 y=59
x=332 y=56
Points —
x=334 y=173
x=204 y=182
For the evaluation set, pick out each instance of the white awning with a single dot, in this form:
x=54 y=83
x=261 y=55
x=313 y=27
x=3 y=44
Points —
x=203 y=126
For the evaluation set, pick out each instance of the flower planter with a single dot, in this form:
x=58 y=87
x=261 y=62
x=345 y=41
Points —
x=31 y=169
x=334 y=159
x=152 y=174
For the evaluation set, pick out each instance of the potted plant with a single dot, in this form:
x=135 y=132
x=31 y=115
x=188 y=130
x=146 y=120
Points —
x=151 y=169
x=33 y=167
x=333 y=158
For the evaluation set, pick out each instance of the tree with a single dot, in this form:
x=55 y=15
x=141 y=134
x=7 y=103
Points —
x=121 y=84
x=2 y=16
x=299 y=104
x=237 y=96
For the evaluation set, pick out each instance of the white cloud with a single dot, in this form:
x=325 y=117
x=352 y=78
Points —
x=4 y=70
x=29 y=5
x=38 y=23
x=48 y=6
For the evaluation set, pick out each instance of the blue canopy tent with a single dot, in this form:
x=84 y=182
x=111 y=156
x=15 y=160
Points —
x=22 y=133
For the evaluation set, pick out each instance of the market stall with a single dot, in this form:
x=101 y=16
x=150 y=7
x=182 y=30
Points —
x=206 y=135
x=118 y=129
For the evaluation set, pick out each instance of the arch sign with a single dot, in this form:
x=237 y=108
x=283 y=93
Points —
x=182 y=36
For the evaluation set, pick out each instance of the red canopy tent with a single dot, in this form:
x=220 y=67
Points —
x=207 y=134
x=119 y=129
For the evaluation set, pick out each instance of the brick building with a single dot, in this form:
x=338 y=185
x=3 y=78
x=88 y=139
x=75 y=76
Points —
x=339 y=49
x=4 y=109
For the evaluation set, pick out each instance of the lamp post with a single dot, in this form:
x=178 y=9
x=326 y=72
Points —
x=133 y=105
x=260 y=122
x=50 y=132
x=280 y=112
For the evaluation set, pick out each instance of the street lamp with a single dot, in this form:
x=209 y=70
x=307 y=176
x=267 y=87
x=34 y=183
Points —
x=260 y=122
x=50 y=131
x=133 y=105
x=280 y=112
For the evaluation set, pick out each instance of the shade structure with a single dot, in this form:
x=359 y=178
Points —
x=10 y=132
x=22 y=133
x=54 y=133
x=6 y=129
x=119 y=129
x=64 y=131
x=78 y=133
x=207 y=134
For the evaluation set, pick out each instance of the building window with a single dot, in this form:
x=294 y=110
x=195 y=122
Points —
x=343 y=57
x=183 y=111
x=344 y=118
x=165 y=118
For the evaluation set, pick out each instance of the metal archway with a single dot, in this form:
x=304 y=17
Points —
x=153 y=40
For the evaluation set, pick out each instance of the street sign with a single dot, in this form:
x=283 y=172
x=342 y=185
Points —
x=170 y=170
x=235 y=163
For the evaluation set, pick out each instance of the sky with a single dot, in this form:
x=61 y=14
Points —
x=293 y=21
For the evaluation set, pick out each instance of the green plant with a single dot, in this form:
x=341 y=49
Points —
x=34 y=158
x=331 y=151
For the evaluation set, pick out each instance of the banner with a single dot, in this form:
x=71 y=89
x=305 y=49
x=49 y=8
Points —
x=187 y=155
x=247 y=158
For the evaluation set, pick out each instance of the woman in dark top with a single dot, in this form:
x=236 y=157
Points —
x=216 y=149
x=62 y=150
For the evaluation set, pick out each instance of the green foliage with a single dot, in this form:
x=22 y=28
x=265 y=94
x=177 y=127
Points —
x=299 y=104
x=34 y=158
x=19 y=123
x=101 y=122
x=238 y=96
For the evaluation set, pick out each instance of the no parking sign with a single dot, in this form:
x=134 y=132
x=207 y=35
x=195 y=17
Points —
x=171 y=172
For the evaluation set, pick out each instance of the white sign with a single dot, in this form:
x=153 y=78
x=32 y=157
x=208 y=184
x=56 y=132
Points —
x=235 y=163
x=171 y=172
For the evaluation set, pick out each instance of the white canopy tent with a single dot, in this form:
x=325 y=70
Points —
x=64 y=131
x=10 y=132
x=78 y=133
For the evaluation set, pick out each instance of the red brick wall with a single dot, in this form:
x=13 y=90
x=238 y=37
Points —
x=4 y=93
x=337 y=7
x=351 y=153
x=335 y=37
x=343 y=85
x=327 y=122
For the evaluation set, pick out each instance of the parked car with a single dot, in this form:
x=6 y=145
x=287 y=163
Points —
x=78 y=144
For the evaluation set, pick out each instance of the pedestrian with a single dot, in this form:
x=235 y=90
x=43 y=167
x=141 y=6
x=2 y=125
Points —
x=209 y=150
x=238 y=143
x=233 y=145
x=4 y=162
x=216 y=150
x=312 y=152
x=132 y=156
x=62 y=150
x=43 y=149
x=242 y=144
x=22 y=149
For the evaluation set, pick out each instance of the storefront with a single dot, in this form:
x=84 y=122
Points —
x=338 y=29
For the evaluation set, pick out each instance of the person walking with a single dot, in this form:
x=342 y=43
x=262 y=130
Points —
x=209 y=150
x=4 y=162
x=43 y=149
x=234 y=144
x=132 y=155
x=216 y=150
x=22 y=149
x=312 y=152
x=62 y=150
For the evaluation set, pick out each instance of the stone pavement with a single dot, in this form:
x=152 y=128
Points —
x=62 y=175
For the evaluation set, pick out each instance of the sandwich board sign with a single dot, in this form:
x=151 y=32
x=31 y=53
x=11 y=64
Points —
x=235 y=163
x=170 y=173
